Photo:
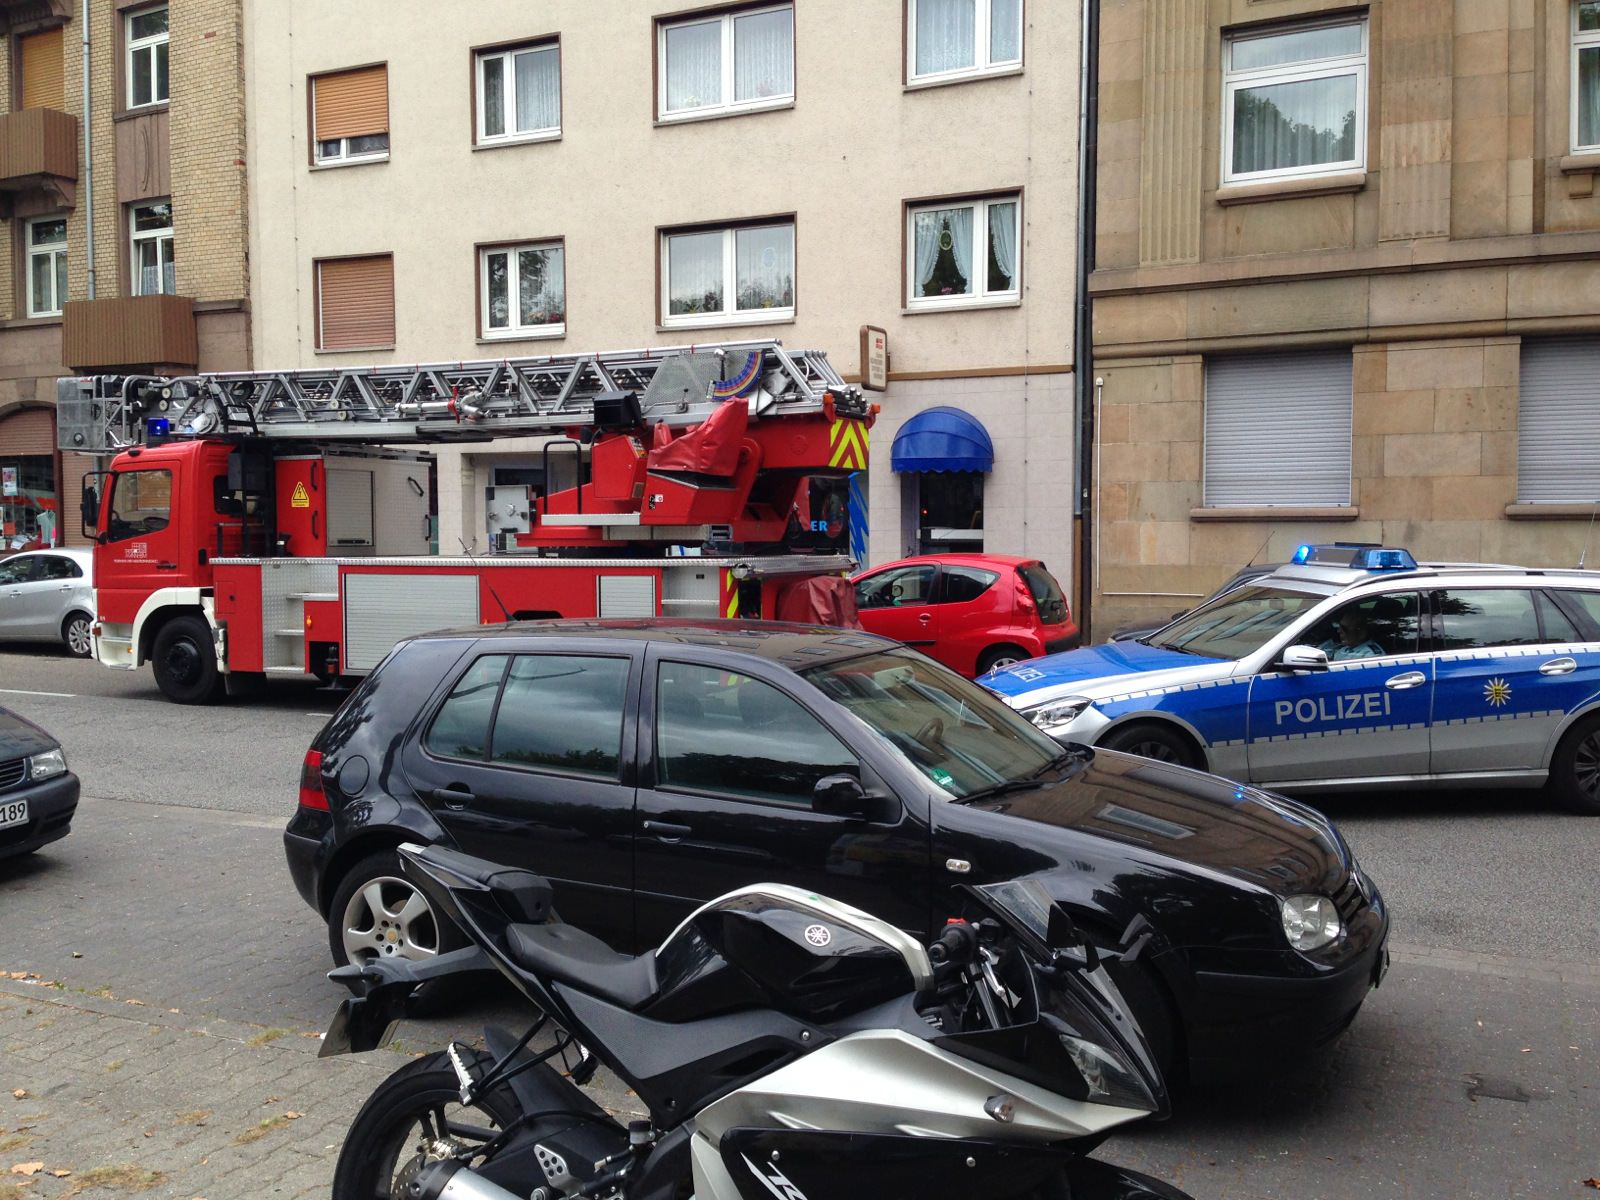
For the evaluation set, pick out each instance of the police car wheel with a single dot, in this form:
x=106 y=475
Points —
x=1575 y=773
x=1150 y=740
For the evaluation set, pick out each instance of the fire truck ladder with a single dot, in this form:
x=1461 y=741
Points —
x=445 y=402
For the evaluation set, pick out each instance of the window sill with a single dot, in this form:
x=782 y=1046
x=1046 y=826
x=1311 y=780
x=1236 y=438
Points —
x=1008 y=71
x=1580 y=162
x=1550 y=512
x=920 y=310
x=524 y=139
x=735 y=322
x=31 y=322
x=144 y=110
x=1273 y=513
x=1290 y=189
x=356 y=349
x=553 y=333
x=354 y=162
x=721 y=114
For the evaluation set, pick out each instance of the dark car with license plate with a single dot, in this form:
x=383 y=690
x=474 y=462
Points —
x=648 y=766
x=38 y=795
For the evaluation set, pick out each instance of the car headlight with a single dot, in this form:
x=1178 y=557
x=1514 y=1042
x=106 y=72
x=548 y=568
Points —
x=1310 y=922
x=47 y=765
x=1056 y=713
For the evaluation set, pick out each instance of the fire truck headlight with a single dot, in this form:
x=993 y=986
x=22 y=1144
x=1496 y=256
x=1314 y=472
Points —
x=47 y=765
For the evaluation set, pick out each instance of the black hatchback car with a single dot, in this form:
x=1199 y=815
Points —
x=646 y=767
x=38 y=795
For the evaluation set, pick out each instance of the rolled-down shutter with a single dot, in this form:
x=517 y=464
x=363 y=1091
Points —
x=350 y=103
x=355 y=302
x=1277 y=430
x=43 y=74
x=1558 y=423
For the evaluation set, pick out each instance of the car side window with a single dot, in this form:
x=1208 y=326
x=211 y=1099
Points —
x=1477 y=618
x=1373 y=627
x=17 y=570
x=1585 y=606
x=725 y=733
x=53 y=566
x=460 y=729
x=562 y=712
x=897 y=587
x=962 y=584
x=1555 y=625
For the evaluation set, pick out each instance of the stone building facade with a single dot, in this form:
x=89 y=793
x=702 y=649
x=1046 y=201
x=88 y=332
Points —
x=1346 y=287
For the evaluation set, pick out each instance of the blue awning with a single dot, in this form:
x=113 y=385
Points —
x=942 y=439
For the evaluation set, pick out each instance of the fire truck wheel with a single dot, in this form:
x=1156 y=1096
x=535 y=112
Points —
x=185 y=662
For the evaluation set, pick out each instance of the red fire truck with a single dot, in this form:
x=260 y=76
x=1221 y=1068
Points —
x=267 y=524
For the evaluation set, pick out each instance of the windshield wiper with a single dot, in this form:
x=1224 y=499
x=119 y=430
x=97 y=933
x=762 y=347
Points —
x=1030 y=781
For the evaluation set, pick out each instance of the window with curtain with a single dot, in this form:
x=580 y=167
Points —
x=151 y=262
x=524 y=291
x=519 y=94
x=948 y=39
x=964 y=252
x=145 y=36
x=739 y=275
x=726 y=62
x=1586 y=75
x=47 y=266
x=1295 y=101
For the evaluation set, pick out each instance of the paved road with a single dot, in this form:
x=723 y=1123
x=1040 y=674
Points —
x=1470 y=1073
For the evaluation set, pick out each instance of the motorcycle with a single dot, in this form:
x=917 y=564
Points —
x=783 y=1044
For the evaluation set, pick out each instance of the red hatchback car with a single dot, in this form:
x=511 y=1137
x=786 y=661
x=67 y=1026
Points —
x=972 y=612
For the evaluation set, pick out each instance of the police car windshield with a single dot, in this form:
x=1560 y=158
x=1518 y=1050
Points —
x=1237 y=624
x=949 y=729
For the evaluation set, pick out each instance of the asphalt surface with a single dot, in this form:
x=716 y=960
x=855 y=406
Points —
x=1470 y=1073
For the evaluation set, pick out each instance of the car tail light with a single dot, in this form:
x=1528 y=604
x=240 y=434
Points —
x=311 y=793
x=1025 y=600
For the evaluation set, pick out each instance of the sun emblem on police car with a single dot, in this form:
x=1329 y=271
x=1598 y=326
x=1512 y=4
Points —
x=1497 y=691
x=818 y=935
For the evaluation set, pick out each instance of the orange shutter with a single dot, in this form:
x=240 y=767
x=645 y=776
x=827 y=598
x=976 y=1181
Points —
x=350 y=103
x=43 y=80
x=355 y=302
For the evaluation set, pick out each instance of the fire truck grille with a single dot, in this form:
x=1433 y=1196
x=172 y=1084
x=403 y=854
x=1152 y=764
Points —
x=11 y=772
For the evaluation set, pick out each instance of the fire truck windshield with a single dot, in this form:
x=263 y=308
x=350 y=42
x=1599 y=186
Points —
x=141 y=502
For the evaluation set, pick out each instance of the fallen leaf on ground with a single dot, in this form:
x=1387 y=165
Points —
x=61 y=1172
x=29 y=1168
x=140 y=1003
x=293 y=1116
x=1594 y=1183
x=20 y=1094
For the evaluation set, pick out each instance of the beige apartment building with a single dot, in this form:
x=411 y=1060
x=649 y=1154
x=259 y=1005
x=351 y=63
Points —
x=122 y=220
x=567 y=178
x=1347 y=285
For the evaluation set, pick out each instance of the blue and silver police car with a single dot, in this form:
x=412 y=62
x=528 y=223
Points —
x=1351 y=666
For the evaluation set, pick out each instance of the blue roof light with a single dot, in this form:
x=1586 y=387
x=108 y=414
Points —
x=1360 y=556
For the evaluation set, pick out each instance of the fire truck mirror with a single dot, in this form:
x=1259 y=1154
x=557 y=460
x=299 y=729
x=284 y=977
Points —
x=91 y=503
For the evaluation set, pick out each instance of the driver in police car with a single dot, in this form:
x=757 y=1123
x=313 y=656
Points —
x=1352 y=638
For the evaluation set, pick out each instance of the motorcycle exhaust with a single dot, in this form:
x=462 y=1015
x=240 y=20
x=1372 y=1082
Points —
x=449 y=1180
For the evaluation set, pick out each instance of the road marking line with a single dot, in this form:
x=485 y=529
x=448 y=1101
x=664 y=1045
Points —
x=21 y=692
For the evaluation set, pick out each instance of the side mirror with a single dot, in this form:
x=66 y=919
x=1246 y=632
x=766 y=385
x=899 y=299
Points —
x=840 y=796
x=1303 y=658
x=90 y=509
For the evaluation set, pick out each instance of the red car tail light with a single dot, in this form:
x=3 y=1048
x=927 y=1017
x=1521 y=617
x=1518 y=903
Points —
x=311 y=793
x=1025 y=600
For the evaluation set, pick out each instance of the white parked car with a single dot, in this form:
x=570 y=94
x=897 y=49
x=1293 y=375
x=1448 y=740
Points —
x=48 y=596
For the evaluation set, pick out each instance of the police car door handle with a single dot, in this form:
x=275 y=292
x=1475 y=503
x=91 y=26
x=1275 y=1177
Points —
x=1559 y=666
x=1408 y=679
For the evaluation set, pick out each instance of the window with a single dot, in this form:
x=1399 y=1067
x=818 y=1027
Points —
x=47 y=266
x=965 y=584
x=721 y=732
x=43 y=63
x=1295 y=101
x=964 y=253
x=954 y=39
x=1583 y=605
x=726 y=63
x=1277 y=430
x=461 y=729
x=562 y=713
x=151 y=267
x=1479 y=618
x=1586 y=75
x=1558 y=421
x=1237 y=624
x=146 y=37
x=524 y=291
x=1046 y=593
x=897 y=588
x=519 y=94
x=350 y=116
x=141 y=503
x=17 y=570
x=53 y=566
x=737 y=276
x=355 y=303
x=1372 y=628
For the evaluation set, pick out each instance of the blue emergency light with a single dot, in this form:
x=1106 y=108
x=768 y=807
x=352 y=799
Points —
x=1361 y=556
x=157 y=427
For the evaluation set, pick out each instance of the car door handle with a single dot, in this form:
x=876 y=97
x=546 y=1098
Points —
x=666 y=830
x=65 y=587
x=1559 y=666
x=924 y=617
x=164 y=566
x=1407 y=679
x=455 y=796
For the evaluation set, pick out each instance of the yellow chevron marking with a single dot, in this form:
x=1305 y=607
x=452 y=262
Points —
x=732 y=589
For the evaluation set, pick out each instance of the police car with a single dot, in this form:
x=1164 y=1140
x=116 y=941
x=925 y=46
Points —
x=1351 y=666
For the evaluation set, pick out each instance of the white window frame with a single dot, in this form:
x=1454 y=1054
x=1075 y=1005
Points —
x=980 y=296
x=135 y=46
x=727 y=104
x=516 y=331
x=51 y=250
x=1587 y=39
x=1299 y=72
x=136 y=236
x=509 y=95
x=730 y=279
x=982 y=42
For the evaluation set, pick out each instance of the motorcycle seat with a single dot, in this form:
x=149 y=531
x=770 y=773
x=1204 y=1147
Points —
x=583 y=961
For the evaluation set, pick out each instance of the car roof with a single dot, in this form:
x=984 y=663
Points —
x=1333 y=580
x=794 y=645
x=958 y=559
x=82 y=556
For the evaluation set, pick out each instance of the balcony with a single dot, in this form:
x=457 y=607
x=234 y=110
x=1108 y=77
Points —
x=123 y=333
x=38 y=153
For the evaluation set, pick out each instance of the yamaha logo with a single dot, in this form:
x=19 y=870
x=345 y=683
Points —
x=818 y=935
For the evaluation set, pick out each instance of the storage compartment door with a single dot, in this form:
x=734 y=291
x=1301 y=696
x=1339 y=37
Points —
x=382 y=609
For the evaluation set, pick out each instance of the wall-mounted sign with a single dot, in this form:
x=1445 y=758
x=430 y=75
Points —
x=874 y=358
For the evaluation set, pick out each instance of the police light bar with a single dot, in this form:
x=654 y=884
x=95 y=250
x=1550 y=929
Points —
x=1362 y=556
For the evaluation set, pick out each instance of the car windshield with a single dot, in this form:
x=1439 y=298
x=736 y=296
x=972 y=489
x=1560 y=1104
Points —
x=1236 y=624
x=949 y=729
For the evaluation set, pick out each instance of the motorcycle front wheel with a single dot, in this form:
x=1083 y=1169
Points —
x=398 y=1127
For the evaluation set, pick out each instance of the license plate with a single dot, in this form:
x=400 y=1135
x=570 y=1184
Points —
x=13 y=812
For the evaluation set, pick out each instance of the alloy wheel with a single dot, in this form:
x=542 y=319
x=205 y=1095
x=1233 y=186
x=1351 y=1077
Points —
x=389 y=918
x=79 y=639
x=1586 y=766
x=1158 y=750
